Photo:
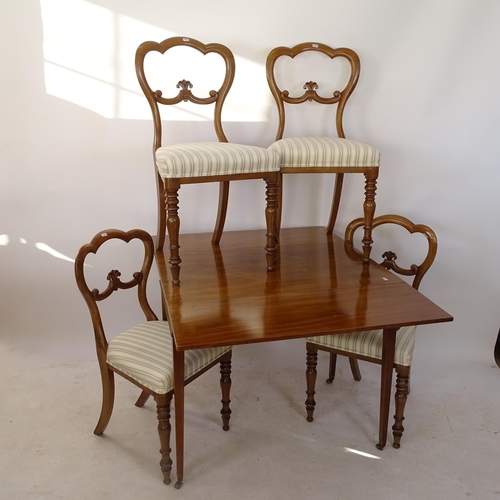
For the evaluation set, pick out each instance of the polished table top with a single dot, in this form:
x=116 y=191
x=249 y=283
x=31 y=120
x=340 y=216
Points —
x=320 y=286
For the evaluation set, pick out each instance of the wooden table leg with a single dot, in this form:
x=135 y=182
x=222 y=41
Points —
x=179 y=414
x=388 y=348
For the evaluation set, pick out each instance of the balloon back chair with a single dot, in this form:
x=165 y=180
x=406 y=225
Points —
x=312 y=154
x=367 y=346
x=198 y=162
x=143 y=354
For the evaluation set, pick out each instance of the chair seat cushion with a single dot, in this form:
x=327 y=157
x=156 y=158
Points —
x=369 y=343
x=145 y=353
x=201 y=159
x=296 y=152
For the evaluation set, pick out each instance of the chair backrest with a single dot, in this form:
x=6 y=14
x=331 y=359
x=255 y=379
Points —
x=155 y=97
x=311 y=88
x=418 y=271
x=139 y=280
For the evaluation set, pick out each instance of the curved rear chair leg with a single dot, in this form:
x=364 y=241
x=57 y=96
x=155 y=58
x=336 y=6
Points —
x=141 y=400
x=402 y=378
x=331 y=368
x=162 y=213
x=163 y=415
x=339 y=180
x=279 y=211
x=108 y=399
x=221 y=212
x=353 y=362
x=311 y=374
x=225 y=385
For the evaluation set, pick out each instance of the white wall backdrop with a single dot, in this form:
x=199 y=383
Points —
x=75 y=142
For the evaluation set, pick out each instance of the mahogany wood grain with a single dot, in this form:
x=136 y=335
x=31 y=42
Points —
x=390 y=262
x=338 y=100
x=139 y=281
x=168 y=189
x=321 y=285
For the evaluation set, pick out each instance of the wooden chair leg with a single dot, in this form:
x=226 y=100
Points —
x=225 y=385
x=311 y=373
x=173 y=226
x=339 y=180
x=271 y=217
x=141 y=400
x=108 y=399
x=280 y=204
x=353 y=362
x=163 y=414
x=369 y=212
x=331 y=368
x=221 y=212
x=496 y=350
x=402 y=378
x=162 y=213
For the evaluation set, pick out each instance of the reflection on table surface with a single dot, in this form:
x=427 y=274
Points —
x=320 y=286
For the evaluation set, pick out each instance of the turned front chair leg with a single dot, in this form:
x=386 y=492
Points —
x=369 y=212
x=173 y=226
x=388 y=348
x=402 y=379
x=311 y=373
x=271 y=218
x=163 y=415
x=225 y=385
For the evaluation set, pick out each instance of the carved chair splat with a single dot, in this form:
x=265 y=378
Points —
x=144 y=353
x=367 y=346
x=201 y=162
x=324 y=154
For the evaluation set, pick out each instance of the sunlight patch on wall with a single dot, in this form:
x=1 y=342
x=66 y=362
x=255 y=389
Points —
x=58 y=255
x=5 y=240
x=89 y=56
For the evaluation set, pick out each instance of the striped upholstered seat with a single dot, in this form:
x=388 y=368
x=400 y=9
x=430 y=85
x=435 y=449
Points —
x=318 y=154
x=203 y=159
x=369 y=344
x=145 y=354
x=307 y=152
x=199 y=162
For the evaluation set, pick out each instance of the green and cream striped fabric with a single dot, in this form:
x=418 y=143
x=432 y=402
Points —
x=145 y=353
x=369 y=343
x=324 y=152
x=201 y=159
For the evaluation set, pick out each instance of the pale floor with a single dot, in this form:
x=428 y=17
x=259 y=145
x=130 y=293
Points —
x=51 y=402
